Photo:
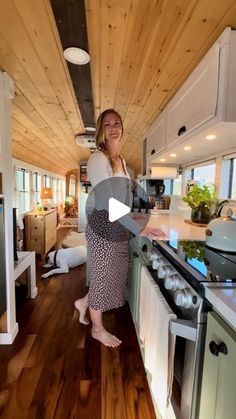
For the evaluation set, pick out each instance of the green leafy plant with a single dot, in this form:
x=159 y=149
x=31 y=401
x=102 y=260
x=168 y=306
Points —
x=193 y=250
x=200 y=197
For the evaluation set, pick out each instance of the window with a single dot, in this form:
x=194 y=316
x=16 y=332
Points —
x=63 y=190
x=228 y=177
x=233 y=182
x=36 y=188
x=54 y=190
x=176 y=186
x=72 y=185
x=204 y=175
x=23 y=190
x=46 y=181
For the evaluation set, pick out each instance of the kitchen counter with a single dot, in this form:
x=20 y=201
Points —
x=224 y=302
x=172 y=226
x=222 y=298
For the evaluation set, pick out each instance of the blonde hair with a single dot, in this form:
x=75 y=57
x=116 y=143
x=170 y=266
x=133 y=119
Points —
x=100 y=137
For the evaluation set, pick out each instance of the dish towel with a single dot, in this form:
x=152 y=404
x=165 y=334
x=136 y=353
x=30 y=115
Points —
x=159 y=343
x=143 y=303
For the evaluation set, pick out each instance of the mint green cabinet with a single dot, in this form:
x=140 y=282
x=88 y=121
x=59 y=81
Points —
x=218 y=395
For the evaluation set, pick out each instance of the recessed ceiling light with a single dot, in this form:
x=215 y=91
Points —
x=90 y=129
x=162 y=159
x=187 y=147
x=210 y=137
x=172 y=155
x=76 y=56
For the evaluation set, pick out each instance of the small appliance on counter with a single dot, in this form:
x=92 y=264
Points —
x=221 y=233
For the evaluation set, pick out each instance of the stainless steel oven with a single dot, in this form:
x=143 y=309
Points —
x=181 y=269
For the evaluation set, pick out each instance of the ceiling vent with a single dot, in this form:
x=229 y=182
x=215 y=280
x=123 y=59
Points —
x=85 y=140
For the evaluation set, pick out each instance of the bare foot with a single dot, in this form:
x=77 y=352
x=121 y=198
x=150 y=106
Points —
x=106 y=338
x=82 y=311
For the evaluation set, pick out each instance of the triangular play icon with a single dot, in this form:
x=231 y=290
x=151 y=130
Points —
x=117 y=209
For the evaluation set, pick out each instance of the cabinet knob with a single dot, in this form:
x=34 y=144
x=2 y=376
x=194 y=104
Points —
x=215 y=348
x=153 y=151
x=135 y=254
x=182 y=130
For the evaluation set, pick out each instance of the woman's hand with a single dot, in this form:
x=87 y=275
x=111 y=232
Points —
x=153 y=231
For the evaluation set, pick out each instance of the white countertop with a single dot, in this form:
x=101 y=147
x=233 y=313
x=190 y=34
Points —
x=224 y=302
x=173 y=226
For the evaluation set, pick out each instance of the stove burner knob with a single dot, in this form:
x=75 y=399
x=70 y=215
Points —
x=154 y=255
x=165 y=270
x=159 y=261
x=172 y=282
x=183 y=298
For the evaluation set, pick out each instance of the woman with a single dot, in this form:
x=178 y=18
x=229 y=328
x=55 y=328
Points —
x=107 y=241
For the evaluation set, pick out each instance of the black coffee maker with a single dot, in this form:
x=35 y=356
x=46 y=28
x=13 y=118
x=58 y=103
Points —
x=159 y=187
x=149 y=201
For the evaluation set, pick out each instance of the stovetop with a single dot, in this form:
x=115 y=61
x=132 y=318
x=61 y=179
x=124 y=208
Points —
x=203 y=264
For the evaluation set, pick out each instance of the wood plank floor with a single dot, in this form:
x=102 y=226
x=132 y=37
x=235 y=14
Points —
x=54 y=369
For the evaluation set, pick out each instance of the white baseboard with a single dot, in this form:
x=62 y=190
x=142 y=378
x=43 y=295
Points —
x=8 y=338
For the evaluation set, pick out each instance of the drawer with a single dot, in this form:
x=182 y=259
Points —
x=36 y=221
x=35 y=245
x=36 y=232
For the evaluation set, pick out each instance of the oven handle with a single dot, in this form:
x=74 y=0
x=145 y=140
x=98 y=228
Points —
x=183 y=328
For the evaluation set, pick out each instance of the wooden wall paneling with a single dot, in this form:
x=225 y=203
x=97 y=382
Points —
x=114 y=18
x=168 y=27
x=40 y=25
x=22 y=153
x=140 y=26
x=41 y=117
x=44 y=153
x=32 y=95
x=39 y=131
x=48 y=135
x=171 y=78
x=34 y=68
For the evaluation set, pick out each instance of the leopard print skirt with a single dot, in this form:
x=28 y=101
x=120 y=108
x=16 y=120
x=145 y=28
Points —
x=108 y=248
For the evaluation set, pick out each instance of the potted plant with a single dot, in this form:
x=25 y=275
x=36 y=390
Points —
x=203 y=203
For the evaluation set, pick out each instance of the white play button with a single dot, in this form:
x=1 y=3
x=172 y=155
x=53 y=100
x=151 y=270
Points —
x=117 y=209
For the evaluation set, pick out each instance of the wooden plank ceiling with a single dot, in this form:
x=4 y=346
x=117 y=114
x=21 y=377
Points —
x=141 y=52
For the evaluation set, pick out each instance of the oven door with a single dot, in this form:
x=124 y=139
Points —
x=188 y=359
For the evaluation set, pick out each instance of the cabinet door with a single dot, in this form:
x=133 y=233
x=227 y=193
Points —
x=218 y=399
x=156 y=136
x=196 y=101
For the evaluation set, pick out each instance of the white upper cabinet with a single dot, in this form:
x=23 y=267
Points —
x=196 y=101
x=204 y=105
x=156 y=136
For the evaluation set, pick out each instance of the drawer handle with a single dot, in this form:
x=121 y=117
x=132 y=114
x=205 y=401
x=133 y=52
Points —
x=35 y=228
x=153 y=151
x=215 y=348
x=135 y=254
x=182 y=130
